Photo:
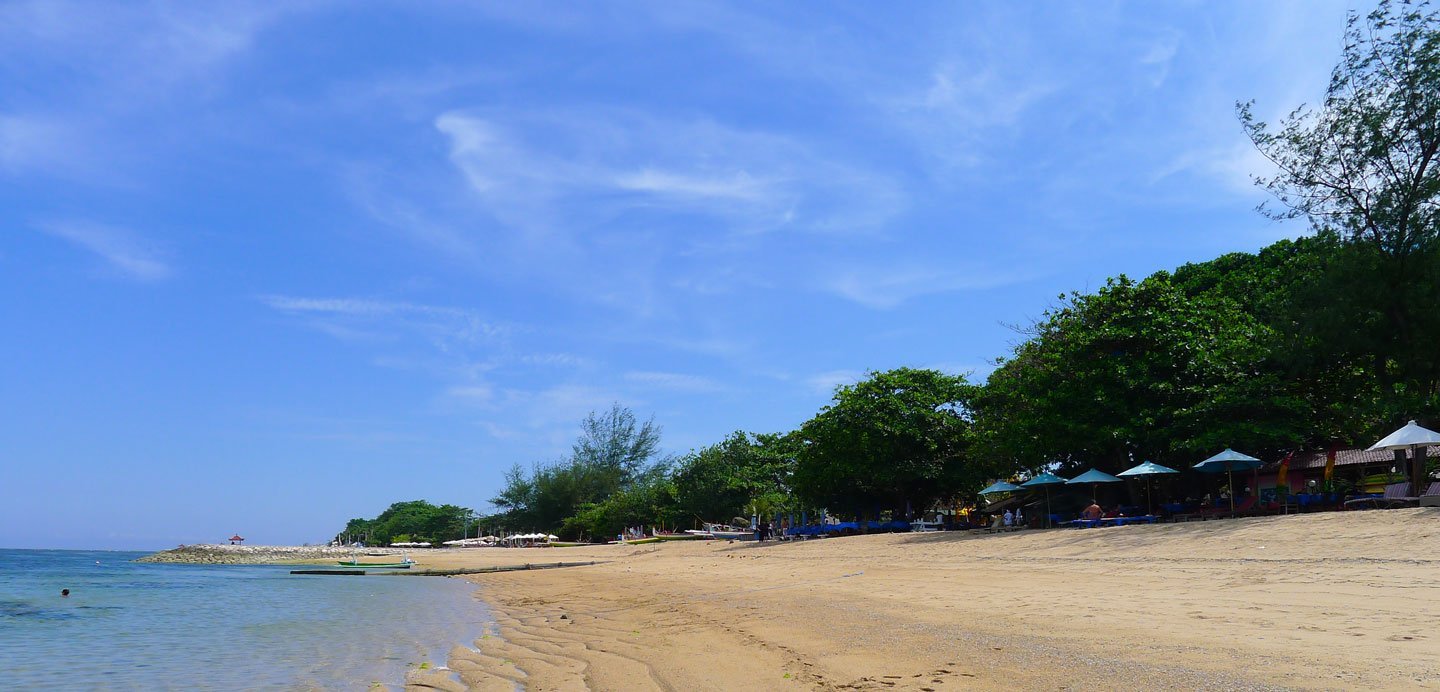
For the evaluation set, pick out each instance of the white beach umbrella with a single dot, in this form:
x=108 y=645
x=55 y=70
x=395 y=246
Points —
x=1414 y=438
x=1408 y=437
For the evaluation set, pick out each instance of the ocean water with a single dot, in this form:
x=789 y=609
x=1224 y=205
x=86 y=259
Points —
x=129 y=625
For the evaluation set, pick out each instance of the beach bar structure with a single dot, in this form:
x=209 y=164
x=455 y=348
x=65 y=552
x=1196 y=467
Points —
x=237 y=540
x=1364 y=470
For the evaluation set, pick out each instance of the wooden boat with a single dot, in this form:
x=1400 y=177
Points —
x=354 y=561
x=681 y=536
x=725 y=532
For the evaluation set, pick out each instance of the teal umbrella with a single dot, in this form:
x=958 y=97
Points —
x=1145 y=471
x=1000 y=487
x=1229 y=461
x=1094 y=477
x=1044 y=481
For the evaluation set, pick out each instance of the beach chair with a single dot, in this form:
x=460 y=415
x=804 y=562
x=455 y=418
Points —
x=1396 y=495
x=1431 y=496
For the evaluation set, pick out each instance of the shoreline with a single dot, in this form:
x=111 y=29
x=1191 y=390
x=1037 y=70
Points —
x=1313 y=601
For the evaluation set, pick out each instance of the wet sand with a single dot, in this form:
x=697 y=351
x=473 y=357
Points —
x=1321 y=601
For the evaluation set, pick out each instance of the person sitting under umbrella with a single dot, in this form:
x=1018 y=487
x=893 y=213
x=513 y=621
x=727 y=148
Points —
x=1092 y=512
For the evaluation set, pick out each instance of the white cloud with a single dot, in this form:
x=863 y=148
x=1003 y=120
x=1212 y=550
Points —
x=548 y=173
x=122 y=249
x=888 y=287
x=826 y=382
x=108 y=73
x=472 y=393
x=449 y=329
x=566 y=360
x=1158 y=55
x=30 y=142
x=674 y=381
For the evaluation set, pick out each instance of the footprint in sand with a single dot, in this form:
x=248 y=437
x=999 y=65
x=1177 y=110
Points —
x=1403 y=637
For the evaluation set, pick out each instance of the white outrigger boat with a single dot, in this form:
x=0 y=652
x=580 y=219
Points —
x=727 y=532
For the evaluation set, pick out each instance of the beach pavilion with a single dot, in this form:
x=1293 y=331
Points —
x=237 y=540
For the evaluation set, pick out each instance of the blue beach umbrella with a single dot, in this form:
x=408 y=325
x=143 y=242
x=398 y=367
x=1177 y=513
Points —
x=1044 y=481
x=1228 y=462
x=1000 y=487
x=1145 y=471
x=1094 y=477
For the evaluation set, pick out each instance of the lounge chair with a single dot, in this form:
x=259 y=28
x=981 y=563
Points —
x=1141 y=519
x=1431 y=496
x=1395 y=497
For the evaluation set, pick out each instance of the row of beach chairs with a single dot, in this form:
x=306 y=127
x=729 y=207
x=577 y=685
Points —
x=1397 y=495
x=1111 y=521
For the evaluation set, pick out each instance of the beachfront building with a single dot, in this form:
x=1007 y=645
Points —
x=1355 y=470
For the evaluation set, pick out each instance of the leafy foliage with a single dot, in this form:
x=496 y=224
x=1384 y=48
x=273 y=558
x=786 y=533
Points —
x=744 y=474
x=416 y=520
x=1365 y=166
x=611 y=458
x=900 y=436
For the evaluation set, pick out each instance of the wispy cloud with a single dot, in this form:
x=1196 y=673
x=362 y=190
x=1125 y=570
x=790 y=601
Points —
x=122 y=249
x=44 y=143
x=548 y=172
x=449 y=329
x=107 y=73
x=888 y=287
x=674 y=381
x=826 y=382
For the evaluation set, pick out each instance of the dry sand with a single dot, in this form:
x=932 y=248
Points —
x=1319 y=601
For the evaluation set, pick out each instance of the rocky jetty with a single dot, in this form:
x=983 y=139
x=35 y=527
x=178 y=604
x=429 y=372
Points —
x=262 y=554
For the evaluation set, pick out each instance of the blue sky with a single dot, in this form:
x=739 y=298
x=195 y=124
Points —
x=264 y=268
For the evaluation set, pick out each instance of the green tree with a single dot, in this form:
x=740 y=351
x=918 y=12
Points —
x=613 y=448
x=415 y=520
x=741 y=475
x=1139 y=370
x=898 y=437
x=1364 y=166
x=612 y=454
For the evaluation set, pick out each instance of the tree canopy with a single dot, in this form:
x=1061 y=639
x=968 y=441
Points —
x=416 y=520
x=900 y=436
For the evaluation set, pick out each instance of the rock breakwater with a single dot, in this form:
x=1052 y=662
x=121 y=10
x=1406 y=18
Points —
x=261 y=554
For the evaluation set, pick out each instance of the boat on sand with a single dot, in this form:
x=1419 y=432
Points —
x=726 y=532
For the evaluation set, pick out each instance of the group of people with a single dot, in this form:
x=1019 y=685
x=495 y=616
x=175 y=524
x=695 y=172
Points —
x=1016 y=518
x=764 y=531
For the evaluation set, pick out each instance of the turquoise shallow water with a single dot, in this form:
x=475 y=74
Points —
x=129 y=625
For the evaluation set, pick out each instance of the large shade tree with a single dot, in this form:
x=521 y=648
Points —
x=1138 y=370
x=1364 y=164
x=742 y=475
x=898 y=437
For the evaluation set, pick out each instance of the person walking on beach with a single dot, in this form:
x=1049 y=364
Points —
x=1019 y=516
x=1009 y=518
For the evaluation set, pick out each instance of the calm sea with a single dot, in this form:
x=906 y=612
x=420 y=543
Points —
x=129 y=625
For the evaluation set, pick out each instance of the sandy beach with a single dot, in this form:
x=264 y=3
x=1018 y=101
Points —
x=1319 y=601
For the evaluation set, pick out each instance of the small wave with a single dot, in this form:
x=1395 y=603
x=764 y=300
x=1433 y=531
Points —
x=29 y=611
